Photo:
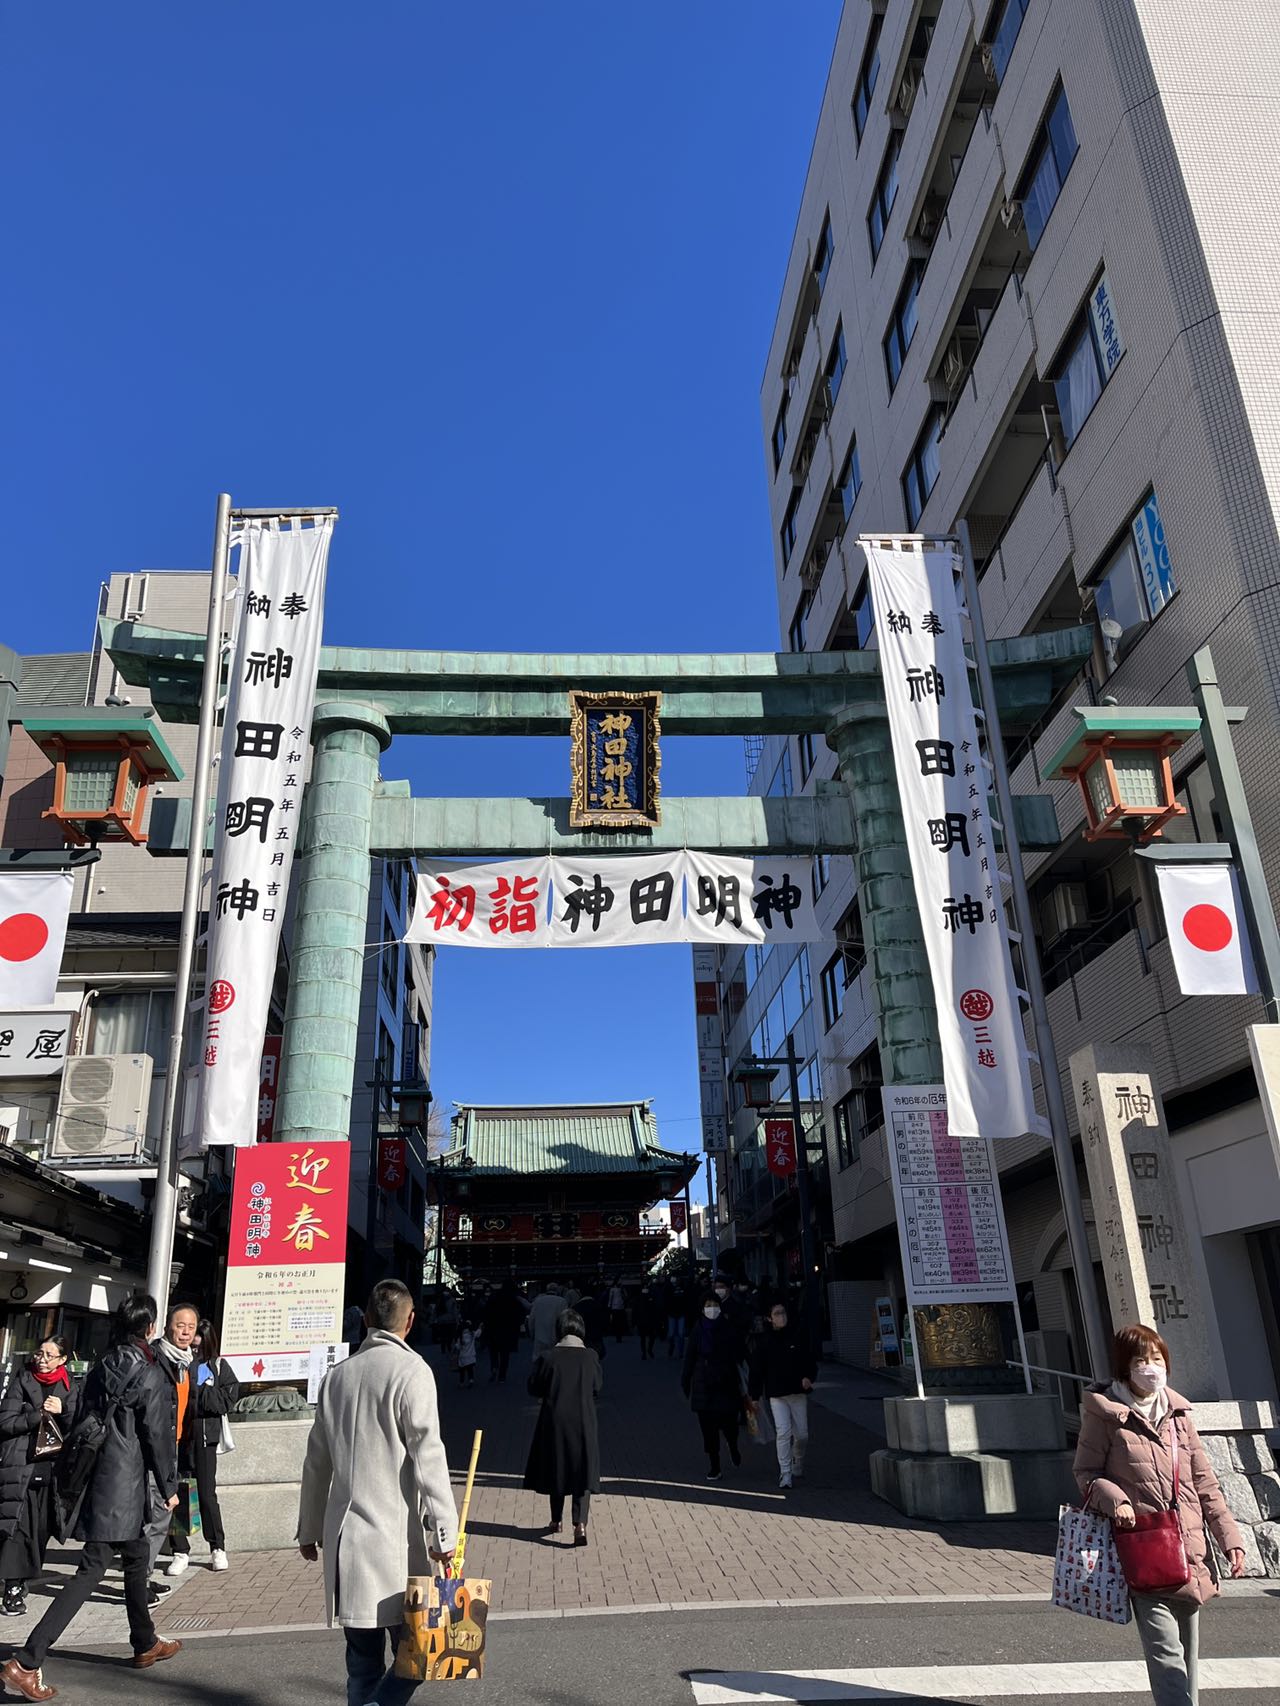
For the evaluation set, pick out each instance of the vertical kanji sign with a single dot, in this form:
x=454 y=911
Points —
x=287 y=1257
x=391 y=1163
x=270 y=699
x=943 y=781
x=780 y=1147
x=269 y=1088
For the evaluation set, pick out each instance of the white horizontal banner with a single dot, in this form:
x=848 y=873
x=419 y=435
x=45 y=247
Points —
x=615 y=901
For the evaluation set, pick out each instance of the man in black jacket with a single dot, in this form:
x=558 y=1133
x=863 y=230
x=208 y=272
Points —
x=783 y=1370
x=129 y=1392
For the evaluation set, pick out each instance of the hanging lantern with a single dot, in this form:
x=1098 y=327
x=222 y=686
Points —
x=1119 y=757
x=104 y=762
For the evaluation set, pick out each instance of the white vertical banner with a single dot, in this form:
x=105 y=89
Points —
x=270 y=700
x=1207 y=935
x=943 y=784
x=34 y=908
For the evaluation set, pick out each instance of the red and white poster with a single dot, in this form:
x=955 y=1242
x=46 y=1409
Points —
x=33 y=931
x=780 y=1147
x=269 y=1088
x=287 y=1259
x=1207 y=935
x=391 y=1163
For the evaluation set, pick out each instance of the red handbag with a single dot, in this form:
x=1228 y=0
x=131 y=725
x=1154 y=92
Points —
x=1153 y=1553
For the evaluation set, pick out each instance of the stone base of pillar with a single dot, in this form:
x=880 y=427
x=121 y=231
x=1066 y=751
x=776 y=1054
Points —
x=1240 y=1440
x=963 y=1459
x=259 y=1483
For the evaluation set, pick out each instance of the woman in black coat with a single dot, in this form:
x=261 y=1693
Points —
x=713 y=1383
x=214 y=1390
x=564 y=1458
x=27 y=1516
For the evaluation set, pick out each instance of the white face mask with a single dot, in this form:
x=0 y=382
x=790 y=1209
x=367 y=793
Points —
x=711 y=1312
x=1148 y=1377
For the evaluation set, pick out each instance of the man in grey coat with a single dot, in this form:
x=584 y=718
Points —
x=376 y=1494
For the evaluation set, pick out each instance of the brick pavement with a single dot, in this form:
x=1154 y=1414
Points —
x=659 y=1533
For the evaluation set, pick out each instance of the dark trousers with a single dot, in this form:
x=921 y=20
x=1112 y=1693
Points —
x=369 y=1680
x=499 y=1362
x=204 y=1461
x=714 y=1423
x=581 y=1507
x=618 y=1323
x=95 y=1560
x=647 y=1340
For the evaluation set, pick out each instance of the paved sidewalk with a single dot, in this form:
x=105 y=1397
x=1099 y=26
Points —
x=660 y=1534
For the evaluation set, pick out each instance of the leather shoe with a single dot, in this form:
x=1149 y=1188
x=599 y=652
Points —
x=153 y=1655
x=29 y=1683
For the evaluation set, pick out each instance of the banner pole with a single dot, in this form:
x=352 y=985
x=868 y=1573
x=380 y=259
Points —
x=1060 y=1130
x=164 y=1206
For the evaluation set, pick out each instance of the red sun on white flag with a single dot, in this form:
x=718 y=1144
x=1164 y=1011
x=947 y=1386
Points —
x=1207 y=935
x=33 y=929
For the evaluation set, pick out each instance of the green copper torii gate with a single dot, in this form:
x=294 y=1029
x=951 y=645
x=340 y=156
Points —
x=366 y=696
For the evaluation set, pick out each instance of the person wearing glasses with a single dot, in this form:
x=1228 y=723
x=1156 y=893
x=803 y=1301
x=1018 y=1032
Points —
x=36 y=1416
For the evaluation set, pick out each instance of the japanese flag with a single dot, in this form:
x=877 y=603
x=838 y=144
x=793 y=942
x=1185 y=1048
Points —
x=1207 y=934
x=33 y=931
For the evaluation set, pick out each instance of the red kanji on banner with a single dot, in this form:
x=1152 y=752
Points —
x=677 y=1217
x=391 y=1163
x=269 y=1088
x=780 y=1147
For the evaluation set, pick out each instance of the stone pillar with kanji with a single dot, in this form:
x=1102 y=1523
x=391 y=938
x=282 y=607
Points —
x=1151 y=1266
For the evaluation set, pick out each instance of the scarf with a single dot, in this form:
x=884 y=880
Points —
x=573 y=1340
x=1153 y=1408
x=53 y=1377
x=177 y=1360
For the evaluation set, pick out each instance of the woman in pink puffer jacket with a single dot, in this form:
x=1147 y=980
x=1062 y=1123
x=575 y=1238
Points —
x=1124 y=1467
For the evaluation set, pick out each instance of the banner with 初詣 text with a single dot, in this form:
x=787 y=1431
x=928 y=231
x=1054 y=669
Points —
x=943 y=784
x=287 y=1256
x=270 y=700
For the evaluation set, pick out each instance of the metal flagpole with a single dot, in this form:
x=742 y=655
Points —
x=1059 y=1126
x=164 y=1207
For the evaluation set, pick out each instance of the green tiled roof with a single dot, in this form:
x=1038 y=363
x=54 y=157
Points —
x=593 y=1137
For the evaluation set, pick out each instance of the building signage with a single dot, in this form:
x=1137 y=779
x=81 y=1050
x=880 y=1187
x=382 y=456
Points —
x=946 y=1189
x=678 y=1217
x=34 y=1043
x=1106 y=331
x=616 y=758
x=612 y=901
x=269 y=1088
x=391 y=1163
x=780 y=1147
x=266 y=738
x=287 y=1257
x=943 y=780
x=706 y=991
x=1153 y=556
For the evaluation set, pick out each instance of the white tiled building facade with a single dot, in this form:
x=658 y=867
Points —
x=1033 y=286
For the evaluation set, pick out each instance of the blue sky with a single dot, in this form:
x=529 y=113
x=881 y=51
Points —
x=498 y=282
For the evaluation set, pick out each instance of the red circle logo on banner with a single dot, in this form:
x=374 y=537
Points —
x=1207 y=928
x=221 y=995
x=22 y=936
x=977 y=1005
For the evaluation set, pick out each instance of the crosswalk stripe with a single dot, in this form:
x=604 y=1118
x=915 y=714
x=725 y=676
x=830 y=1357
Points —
x=960 y=1682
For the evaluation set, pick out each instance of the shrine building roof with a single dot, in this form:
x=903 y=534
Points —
x=560 y=1138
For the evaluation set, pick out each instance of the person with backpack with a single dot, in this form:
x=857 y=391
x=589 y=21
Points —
x=122 y=1442
x=38 y=1412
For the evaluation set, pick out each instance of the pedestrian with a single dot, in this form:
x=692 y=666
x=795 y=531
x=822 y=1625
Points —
x=677 y=1311
x=564 y=1457
x=215 y=1391
x=38 y=1413
x=617 y=1306
x=783 y=1370
x=174 y=1355
x=465 y=1351
x=375 y=1493
x=650 y=1321
x=544 y=1312
x=713 y=1384
x=500 y=1325
x=128 y=1395
x=1125 y=1465
x=594 y=1321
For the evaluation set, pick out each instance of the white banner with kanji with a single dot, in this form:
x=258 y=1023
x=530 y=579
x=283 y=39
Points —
x=614 y=901
x=483 y=906
x=270 y=699
x=943 y=783
x=750 y=900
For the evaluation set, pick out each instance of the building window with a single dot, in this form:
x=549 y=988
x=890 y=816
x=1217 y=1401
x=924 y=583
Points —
x=853 y=951
x=781 y=781
x=821 y=872
x=864 y=615
x=868 y=72
x=390 y=959
x=822 y=255
x=833 y=988
x=861 y=1112
x=902 y=327
x=849 y=481
x=1133 y=585
x=789 y=525
x=837 y=361
x=780 y=433
x=797 y=632
x=1005 y=34
x=1091 y=354
x=1051 y=156
x=920 y=475
x=808 y=756
x=884 y=198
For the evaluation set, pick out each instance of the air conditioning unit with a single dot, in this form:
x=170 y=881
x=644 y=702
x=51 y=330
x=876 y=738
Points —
x=102 y=1108
x=1011 y=214
x=1066 y=908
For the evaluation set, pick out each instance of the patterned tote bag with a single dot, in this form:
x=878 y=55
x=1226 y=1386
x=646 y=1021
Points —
x=1087 y=1577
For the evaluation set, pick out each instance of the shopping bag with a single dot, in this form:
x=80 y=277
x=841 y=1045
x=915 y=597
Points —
x=443 y=1632
x=1087 y=1577
x=226 y=1439
x=760 y=1423
x=185 y=1517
